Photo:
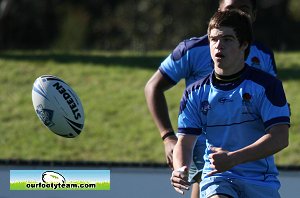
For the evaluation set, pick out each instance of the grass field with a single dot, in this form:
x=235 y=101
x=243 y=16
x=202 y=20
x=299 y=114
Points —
x=118 y=126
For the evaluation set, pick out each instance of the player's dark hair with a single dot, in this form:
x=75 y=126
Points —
x=236 y=19
x=253 y=2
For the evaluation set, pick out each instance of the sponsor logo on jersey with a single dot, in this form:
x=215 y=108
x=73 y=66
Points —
x=224 y=100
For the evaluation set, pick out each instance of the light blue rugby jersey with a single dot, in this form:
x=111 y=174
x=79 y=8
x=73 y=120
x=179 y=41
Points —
x=191 y=60
x=235 y=116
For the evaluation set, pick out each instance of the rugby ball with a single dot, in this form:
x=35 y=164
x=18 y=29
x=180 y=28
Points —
x=53 y=177
x=57 y=106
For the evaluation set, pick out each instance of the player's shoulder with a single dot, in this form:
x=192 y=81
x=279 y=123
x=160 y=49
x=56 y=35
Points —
x=198 y=84
x=189 y=44
x=272 y=86
x=269 y=82
x=194 y=91
x=261 y=77
x=259 y=47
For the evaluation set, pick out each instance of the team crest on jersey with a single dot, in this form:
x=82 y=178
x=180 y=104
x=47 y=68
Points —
x=205 y=106
x=247 y=97
x=255 y=61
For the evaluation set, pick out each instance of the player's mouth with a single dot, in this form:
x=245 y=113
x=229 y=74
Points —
x=219 y=55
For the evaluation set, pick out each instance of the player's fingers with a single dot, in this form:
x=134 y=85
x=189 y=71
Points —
x=180 y=186
x=212 y=161
x=212 y=173
x=178 y=190
x=178 y=181
x=215 y=149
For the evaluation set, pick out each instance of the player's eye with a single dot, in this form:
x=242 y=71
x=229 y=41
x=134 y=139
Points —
x=227 y=39
x=212 y=39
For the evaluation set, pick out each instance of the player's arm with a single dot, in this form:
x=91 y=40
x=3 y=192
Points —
x=182 y=157
x=272 y=142
x=157 y=104
x=189 y=128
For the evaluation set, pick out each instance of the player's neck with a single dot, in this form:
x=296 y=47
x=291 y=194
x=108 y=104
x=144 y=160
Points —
x=229 y=78
x=230 y=67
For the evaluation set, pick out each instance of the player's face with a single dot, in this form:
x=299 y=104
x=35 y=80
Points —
x=244 y=5
x=226 y=51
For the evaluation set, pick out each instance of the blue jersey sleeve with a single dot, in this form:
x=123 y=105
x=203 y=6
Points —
x=176 y=69
x=190 y=60
x=189 y=121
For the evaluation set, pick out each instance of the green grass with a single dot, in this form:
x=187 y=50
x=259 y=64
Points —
x=118 y=126
x=288 y=65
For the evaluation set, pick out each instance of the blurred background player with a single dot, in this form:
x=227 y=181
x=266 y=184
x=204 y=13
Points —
x=191 y=61
x=241 y=111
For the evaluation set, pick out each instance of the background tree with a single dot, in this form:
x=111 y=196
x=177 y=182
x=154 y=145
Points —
x=140 y=25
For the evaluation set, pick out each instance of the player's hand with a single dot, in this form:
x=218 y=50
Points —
x=220 y=160
x=169 y=146
x=179 y=179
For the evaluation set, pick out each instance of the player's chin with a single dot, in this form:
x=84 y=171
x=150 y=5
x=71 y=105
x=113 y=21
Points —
x=218 y=62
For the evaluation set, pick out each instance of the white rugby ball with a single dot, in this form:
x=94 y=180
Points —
x=53 y=177
x=57 y=106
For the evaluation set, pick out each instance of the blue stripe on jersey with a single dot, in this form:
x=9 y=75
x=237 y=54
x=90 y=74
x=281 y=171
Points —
x=191 y=131
x=231 y=124
x=283 y=120
x=268 y=51
x=188 y=44
x=165 y=75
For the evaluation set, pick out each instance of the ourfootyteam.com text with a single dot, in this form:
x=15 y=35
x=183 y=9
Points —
x=59 y=185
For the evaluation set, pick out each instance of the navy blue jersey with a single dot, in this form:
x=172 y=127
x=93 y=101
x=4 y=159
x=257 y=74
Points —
x=191 y=60
x=234 y=116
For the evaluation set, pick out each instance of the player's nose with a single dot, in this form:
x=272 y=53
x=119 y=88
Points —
x=219 y=44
